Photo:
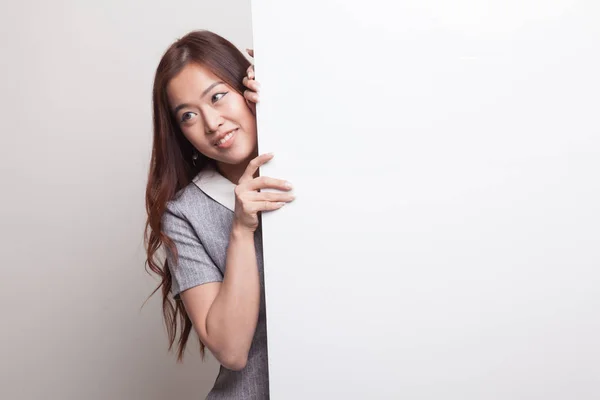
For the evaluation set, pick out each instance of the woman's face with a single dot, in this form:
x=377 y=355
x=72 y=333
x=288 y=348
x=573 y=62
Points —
x=212 y=115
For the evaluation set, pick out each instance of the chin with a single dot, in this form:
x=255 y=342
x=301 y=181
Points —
x=244 y=151
x=238 y=156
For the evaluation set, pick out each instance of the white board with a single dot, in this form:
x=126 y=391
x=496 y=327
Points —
x=445 y=240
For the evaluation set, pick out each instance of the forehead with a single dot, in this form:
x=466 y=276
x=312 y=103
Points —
x=189 y=83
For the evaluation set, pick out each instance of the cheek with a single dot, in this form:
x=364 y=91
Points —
x=196 y=137
x=240 y=112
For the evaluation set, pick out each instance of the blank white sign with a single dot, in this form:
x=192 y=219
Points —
x=445 y=240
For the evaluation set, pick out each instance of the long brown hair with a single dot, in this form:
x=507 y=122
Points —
x=171 y=166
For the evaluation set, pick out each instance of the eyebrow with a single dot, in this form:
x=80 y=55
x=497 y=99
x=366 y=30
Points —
x=208 y=89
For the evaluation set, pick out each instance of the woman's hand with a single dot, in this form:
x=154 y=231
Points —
x=249 y=201
x=252 y=93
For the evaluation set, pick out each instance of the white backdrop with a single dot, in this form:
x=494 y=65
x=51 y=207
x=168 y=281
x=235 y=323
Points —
x=445 y=240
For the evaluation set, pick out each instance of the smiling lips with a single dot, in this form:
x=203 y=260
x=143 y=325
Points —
x=226 y=140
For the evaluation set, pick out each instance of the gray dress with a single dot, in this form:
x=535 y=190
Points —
x=199 y=222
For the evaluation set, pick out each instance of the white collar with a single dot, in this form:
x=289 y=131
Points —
x=216 y=186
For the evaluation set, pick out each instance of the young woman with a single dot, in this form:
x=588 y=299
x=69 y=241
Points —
x=203 y=201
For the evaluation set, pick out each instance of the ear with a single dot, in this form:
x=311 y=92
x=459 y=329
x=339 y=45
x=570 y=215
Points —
x=251 y=106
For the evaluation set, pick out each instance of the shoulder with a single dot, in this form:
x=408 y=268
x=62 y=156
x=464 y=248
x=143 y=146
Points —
x=186 y=200
x=180 y=210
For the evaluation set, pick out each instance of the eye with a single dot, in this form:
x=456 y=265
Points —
x=218 y=96
x=187 y=116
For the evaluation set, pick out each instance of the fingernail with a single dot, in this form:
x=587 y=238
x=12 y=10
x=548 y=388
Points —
x=281 y=204
x=288 y=185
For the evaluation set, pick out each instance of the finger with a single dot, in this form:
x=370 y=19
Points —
x=250 y=72
x=271 y=196
x=253 y=207
x=265 y=182
x=251 y=52
x=253 y=166
x=267 y=205
x=252 y=84
x=252 y=96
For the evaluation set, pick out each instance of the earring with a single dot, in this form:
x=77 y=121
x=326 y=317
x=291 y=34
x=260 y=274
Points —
x=194 y=158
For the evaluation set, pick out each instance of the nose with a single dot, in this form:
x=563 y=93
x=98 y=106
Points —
x=212 y=120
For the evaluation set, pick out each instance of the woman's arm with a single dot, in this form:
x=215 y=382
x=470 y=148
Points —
x=224 y=314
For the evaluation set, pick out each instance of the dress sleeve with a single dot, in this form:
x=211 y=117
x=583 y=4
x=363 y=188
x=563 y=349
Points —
x=194 y=266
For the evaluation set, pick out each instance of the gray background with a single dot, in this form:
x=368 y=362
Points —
x=75 y=91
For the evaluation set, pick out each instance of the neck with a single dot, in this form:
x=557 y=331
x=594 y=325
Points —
x=233 y=172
